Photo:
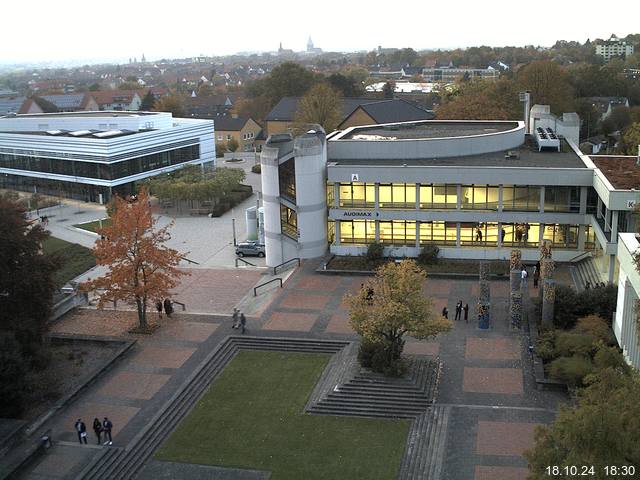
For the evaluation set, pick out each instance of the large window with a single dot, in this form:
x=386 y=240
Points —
x=589 y=238
x=359 y=232
x=330 y=195
x=562 y=199
x=287 y=179
x=478 y=234
x=331 y=231
x=398 y=232
x=480 y=197
x=440 y=233
x=357 y=195
x=592 y=201
x=397 y=195
x=288 y=221
x=445 y=196
x=561 y=236
x=521 y=198
x=520 y=234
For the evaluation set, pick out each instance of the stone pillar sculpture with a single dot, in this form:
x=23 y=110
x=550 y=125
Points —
x=515 y=284
x=484 y=298
x=547 y=285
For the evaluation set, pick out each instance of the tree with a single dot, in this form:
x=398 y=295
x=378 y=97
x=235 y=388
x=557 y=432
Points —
x=388 y=90
x=630 y=141
x=482 y=100
x=94 y=87
x=140 y=267
x=232 y=145
x=347 y=86
x=621 y=117
x=321 y=105
x=549 y=85
x=288 y=79
x=26 y=279
x=397 y=307
x=148 y=102
x=604 y=428
x=130 y=85
x=171 y=103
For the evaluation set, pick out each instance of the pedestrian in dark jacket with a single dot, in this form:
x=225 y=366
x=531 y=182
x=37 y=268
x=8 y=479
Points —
x=81 y=429
x=159 y=308
x=97 y=428
x=243 y=322
x=106 y=428
x=236 y=318
x=458 y=310
x=445 y=312
x=168 y=307
x=466 y=312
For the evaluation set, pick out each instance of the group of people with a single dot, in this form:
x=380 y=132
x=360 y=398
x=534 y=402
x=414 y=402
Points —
x=589 y=286
x=239 y=320
x=167 y=305
x=101 y=429
x=524 y=274
x=459 y=310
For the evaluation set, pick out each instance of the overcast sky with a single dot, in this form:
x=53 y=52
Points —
x=44 y=30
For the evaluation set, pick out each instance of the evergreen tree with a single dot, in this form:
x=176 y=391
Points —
x=148 y=102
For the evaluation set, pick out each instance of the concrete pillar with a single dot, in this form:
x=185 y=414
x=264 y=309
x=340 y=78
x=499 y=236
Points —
x=337 y=229
x=377 y=196
x=584 y=192
x=499 y=235
x=612 y=267
x=459 y=203
x=614 y=226
x=598 y=210
x=458 y=243
x=336 y=196
x=582 y=235
x=417 y=196
x=607 y=220
x=541 y=207
x=271 y=203
x=500 y=201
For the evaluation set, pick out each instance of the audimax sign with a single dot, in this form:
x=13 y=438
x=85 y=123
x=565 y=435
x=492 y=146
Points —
x=360 y=214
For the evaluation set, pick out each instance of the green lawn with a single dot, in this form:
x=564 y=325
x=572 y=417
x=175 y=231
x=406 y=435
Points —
x=93 y=226
x=252 y=417
x=74 y=259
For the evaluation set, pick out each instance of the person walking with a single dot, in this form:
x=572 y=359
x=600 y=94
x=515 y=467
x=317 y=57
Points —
x=458 y=310
x=168 y=307
x=159 y=309
x=445 y=313
x=81 y=429
x=97 y=429
x=478 y=235
x=106 y=428
x=243 y=322
x=466 y=312
x=236 y=318
x=536 y=277
x=524 y=275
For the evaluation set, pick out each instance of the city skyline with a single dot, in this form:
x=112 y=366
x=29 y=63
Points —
x=197 y=31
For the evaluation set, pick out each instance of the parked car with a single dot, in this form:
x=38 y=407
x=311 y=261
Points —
x=250 y=248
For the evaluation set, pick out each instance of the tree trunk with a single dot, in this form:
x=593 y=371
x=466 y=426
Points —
x=142 y=314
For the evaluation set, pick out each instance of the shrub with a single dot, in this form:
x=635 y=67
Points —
x=609 y=357
x=13 y=371
x=366 y=352
x=382 y=357
x=545 y=346
x=595 y=326
x=429 y=255
x=256 y=168
x=564 y=309
x=571 y=370
x=569 y=343
x=570 y=305
x=375 y=252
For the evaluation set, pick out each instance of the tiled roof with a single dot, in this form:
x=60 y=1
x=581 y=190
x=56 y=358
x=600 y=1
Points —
x=108 y=97
x=285 y=109
x=229 y=124
x=396 y=110
x=11 y=105
x=63 y=102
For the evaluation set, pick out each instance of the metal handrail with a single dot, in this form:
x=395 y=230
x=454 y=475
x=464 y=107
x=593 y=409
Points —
x=243 y=261
x=583 y=254
x=189 y=260
x=275 y=269
x=255 y=289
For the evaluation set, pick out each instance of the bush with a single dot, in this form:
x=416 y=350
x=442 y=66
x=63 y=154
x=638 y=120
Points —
x=366 y=352
x=568 y=343
x=595 y=326
x=545 y=345
x=571 y=370
x=375 y=252
x=256 y=168
x=382 y=357
x=570 y=306
x=610 y=357
x=13 y=371
x=429 y=255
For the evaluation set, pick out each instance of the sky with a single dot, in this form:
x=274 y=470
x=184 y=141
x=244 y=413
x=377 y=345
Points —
x=116 y=30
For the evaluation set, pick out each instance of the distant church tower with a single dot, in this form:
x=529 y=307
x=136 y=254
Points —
x=144 y=60
x=280 y=48
x=310 y=45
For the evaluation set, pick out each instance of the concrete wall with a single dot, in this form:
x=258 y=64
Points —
x=273 y=240
x=625 y=326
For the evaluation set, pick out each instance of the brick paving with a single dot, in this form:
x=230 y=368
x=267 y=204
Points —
x=141 y=386
x=493 y=380
x=296 y=322
x=504 y=438
x=502 y=473
x=163 y=357
x=339 y=323
x=306 y=301
x=492 y=348
x=422 y=348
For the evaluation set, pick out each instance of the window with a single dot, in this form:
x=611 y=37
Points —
x=398 y=232
x=287 y=179
x=357 y=195
x=288 y=222
x=220 y=137
x=228 y=137
x=357 y=232
x=562 y=236
x=589 y=238
x=521 y=198
x=441 y=233
x=397 y=195
x=478 y=234
x=592 y=201
x=331 y=231
x=445 y=196
x=562 y=199
x=330 y=195
x=480 y=197
x=520 y=234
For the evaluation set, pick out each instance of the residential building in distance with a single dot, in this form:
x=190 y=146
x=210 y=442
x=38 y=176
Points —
x=245 y=131
x=605 y=105
x=451 y=74
x=476 y=189
x=118 y=100
x=73 y=102
x=281 y=117
x=210 y=106
x=614 y=47
x=18 y=104
x=92 y=155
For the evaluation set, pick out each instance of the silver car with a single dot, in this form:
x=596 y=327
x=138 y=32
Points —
x=250 y=248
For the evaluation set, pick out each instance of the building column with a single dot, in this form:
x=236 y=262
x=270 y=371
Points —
x=336 y=195
x=541 y=206
x=377 y=197
x=459 y=203
x=417 y=196
x=541 y=233
x=458 y=243
x=500 y=232
x=614 y=226
x=582 y=234
x=377 y=227
x=607 y=220
x=500 y=202
x=612 y=267
x=598 y=214
x=336 y=228
x=417 y=234
x=584 y=192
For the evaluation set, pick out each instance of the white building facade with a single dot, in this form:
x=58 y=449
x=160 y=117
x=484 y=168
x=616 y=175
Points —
x=614 y=47
x=92 y=155
x=625 y=324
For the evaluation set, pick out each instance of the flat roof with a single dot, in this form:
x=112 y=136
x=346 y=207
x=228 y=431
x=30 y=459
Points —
x=93 y=134
x=621 y=171
x=527 y=155
x=102 y=113
x=428 y=129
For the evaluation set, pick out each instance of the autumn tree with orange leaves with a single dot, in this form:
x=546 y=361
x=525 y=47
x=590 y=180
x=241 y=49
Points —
x=141 y=267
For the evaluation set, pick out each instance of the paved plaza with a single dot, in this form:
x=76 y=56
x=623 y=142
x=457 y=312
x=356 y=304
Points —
x=486 y=377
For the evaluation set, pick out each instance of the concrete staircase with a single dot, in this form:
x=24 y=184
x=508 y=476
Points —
x=120 y=464
x=424 y=454
x=585 y=271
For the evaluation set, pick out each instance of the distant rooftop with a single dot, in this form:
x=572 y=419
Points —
x=105 y=113
x=432 y=129
x=621 y=171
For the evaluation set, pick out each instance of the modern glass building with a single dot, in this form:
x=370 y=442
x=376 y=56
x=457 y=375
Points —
x=92 y=155
x=476 y=189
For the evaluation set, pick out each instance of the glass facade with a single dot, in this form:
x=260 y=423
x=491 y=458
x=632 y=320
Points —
x=480 y=197
x=520 y=234
x=438 y=197
x=288 y=221
x=100 y=170
x=330 y=196
x=398 y=232
x=521 y=198
x=357 y=195
x=358 y=232
x=479 y=234
x=562 y=199
x=562 y=236
x=440 y=233
x=397 y=195
x=287 y=179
